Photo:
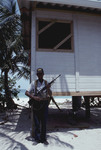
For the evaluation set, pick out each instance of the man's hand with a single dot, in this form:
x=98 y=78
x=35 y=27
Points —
x=32 y=96
x=37 y=98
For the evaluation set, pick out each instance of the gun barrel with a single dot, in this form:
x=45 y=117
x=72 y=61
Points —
x=56 y=78
x=48 y=84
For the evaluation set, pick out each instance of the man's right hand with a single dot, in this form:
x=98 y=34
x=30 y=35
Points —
x=37 y=98
x=32 y=96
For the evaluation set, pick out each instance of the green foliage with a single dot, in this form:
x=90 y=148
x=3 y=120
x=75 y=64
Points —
x=12 y=87
x=13 y=58
x=14 y=91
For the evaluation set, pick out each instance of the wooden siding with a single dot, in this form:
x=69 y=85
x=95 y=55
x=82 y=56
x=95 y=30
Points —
x=80 y=71
x=89 y=37
x=55 y=64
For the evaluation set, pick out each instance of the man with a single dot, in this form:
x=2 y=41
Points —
x=40 y=105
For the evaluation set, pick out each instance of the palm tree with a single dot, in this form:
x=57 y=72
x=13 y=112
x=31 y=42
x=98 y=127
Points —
x=13 y=58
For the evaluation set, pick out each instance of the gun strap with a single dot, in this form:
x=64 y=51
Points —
x=45 y=82
x=36 y=84
x=38 y=106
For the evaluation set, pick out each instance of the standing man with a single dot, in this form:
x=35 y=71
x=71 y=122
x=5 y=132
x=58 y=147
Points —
x=40 y=103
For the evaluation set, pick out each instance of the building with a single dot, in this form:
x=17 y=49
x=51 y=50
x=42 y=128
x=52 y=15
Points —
x=65 y=38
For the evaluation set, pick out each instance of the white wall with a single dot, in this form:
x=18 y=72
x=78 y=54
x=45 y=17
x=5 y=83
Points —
x=80 y=70
x=89 y=37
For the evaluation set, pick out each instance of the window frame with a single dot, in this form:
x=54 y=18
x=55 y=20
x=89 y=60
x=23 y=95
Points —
x=54 y=50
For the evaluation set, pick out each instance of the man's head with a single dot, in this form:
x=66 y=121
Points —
x=40 y=73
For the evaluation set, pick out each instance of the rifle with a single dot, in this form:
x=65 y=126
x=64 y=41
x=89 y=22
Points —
x=52 y=98
x=49 y=84
x=45 y=87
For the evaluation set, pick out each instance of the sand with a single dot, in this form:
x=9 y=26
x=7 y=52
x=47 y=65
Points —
x=63 y=133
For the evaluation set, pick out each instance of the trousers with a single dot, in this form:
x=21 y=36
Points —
x=40 y=120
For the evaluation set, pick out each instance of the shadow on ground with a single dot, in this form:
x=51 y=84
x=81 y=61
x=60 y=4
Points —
x=66 y=119
x=56 y=119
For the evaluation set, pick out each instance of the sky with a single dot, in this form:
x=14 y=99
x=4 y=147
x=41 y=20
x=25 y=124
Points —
x=24 y=84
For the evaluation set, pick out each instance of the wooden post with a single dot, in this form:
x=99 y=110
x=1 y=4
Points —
x=87 y=106
x=32 y=123
x=33 y=58
x=76 y=53
x=76 y=103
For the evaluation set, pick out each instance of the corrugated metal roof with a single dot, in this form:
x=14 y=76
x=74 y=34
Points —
x=82 y=3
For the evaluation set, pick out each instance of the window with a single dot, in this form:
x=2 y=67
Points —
x=53 y=35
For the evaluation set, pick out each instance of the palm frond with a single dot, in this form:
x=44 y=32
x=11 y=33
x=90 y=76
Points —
x=11 y=48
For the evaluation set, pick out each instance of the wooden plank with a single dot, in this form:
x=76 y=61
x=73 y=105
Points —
x=54 y=63
x=88 y=93
x=58 y=50
x=63 y=41
x=33 y=5
x=46 y=27
x=66 y=87
x=76 y=52
x=86 y=79
x=33 y=46
x=90 y=86
x=33 y=61
x=57 y=15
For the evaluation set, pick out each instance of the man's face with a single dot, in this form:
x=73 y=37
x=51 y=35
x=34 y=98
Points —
x=40 y=76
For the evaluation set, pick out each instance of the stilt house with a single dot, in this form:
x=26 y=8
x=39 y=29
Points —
x=64 y=37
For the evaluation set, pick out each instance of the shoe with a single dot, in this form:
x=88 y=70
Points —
x=37 y=141
x=44 y=142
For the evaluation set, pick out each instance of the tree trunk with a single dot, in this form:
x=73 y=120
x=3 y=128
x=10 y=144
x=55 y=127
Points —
x=8 y=97
x=7 y=94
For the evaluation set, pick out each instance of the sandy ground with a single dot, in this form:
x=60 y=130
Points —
x=64 y=132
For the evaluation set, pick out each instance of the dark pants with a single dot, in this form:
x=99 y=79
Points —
x=40 y=120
